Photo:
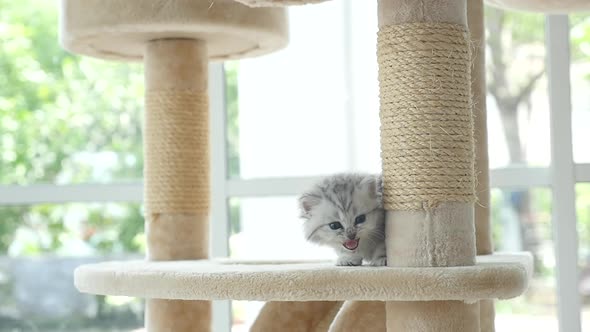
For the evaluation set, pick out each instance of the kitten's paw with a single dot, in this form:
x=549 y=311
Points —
x=349 y=261
x=381 y=261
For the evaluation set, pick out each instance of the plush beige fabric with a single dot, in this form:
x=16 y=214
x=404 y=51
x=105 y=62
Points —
x=114 y=29
x=177 y=236
x=278 y=3
x=441 y=236
x=545 y=6
x=177 y=316
x=432 y=316
x=548 y=6
x=370 y=316
x=495 y=276
x=176 y=65
x=487 y=315
x=411 y=11
x=360 y=316
x=315 y=316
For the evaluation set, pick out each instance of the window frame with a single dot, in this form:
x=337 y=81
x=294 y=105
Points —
x=563 y=175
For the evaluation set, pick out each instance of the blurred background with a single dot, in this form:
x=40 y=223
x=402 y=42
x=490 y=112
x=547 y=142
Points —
x=71 y=157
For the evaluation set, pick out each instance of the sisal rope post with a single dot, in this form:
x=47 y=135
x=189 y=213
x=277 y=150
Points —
x=427 y=151
x=176 y=171
x=483 y=234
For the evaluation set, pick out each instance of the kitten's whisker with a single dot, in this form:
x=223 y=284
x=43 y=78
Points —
x=314 y=231
x=378 y=233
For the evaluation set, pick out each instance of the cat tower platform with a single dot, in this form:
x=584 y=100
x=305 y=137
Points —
x=544 y=6
x=494 y=276
x=120 y=30
x=442 y=273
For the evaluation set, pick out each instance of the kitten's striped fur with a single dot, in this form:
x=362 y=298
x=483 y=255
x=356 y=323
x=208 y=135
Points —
x=344 y=199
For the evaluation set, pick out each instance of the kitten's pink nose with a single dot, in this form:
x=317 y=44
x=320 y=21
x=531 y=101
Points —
x=351 y=236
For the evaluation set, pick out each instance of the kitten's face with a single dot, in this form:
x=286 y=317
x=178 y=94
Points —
x=343 y=212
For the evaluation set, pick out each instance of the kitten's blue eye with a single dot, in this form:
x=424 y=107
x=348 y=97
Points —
x=360 y=219
x=335 y=225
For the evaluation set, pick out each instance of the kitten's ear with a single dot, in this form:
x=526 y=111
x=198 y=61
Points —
x=373 y=184
x=307 y=202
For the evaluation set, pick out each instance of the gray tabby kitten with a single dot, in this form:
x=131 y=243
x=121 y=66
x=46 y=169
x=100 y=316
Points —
x=345 y=212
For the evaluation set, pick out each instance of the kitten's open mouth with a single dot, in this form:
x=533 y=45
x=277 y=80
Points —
x=351 y=244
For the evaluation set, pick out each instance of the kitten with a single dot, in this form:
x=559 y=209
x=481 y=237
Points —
x=345 y=212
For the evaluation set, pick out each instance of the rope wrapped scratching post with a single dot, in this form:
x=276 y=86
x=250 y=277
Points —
x=427 y=151
x=426 y=132
x=176 y=170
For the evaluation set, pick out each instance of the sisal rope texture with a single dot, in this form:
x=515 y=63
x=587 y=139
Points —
x=426 y=120
x=176 y=141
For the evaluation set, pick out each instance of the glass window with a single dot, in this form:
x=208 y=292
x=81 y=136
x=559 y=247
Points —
x=522 y=222
x=336 y=131
x=41 y=245
x=292 y=103
x=260 y=223
x=517 y=100
x=63 y=118
x=267 y=228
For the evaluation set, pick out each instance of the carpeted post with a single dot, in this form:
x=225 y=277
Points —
x=427 y=151
x=176 y=141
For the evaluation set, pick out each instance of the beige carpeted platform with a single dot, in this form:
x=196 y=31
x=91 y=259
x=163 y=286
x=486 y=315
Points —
x=119 y=30
x=278 y=3
x=495 y=276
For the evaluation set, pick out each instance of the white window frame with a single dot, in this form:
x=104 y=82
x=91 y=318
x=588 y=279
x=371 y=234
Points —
x=561 y=177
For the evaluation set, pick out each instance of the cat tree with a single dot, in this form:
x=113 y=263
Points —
x=442 y=275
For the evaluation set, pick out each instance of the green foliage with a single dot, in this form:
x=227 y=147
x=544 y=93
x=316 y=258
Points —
x=74 y=229
x=496 y=201
x=10 y=220
x=525 y=28
x=580 y=35
x=71 y=119
x=233 y=130
x=63 y=119
x=57 y=108
x=233 y=138
x=583 y=215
